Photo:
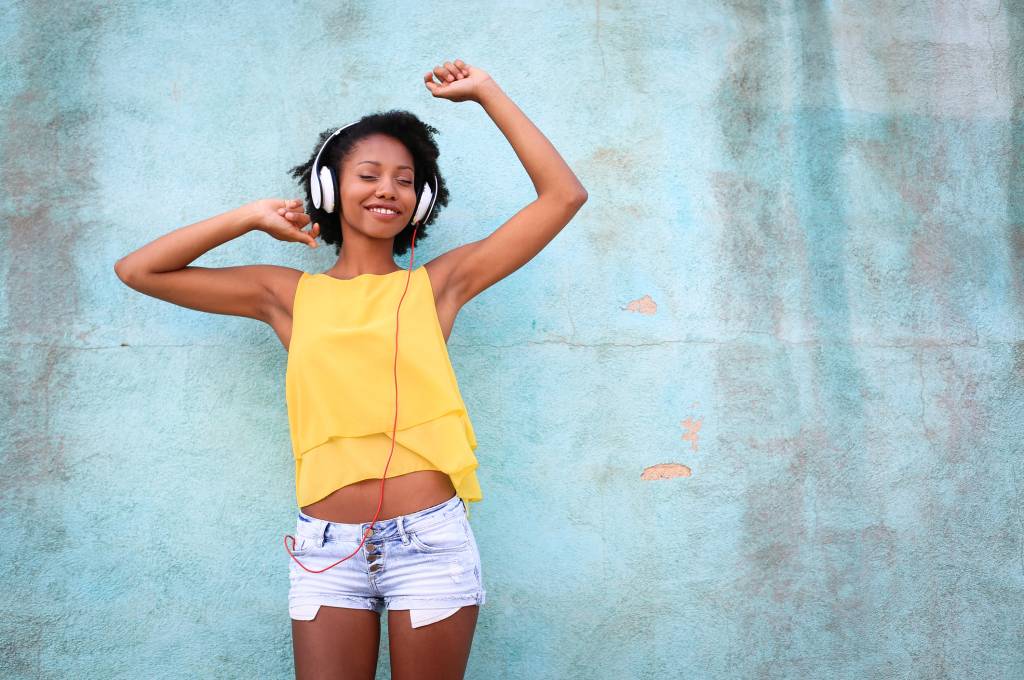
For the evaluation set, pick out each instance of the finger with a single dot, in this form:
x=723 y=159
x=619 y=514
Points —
x=428 y=80
x=295 y=233
x=299 y=218
x=288 y=204
x=292 y=214
x=442 y=74
x=453 y=71
x=463 y=66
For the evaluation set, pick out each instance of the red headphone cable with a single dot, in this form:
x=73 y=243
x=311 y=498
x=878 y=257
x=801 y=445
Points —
x=394 y=430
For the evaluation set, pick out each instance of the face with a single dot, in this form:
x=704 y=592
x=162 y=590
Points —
x=378 y=172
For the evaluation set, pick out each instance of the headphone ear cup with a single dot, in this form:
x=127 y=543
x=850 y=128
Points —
x=424 y=205
x=314 y=190
x=327 y=185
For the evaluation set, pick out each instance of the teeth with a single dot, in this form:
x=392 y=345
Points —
x=384 y=211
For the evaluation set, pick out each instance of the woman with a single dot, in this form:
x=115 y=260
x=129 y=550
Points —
x=357 y=549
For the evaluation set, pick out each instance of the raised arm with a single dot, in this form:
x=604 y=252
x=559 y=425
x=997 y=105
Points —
x=476 y=266
x=161 y=268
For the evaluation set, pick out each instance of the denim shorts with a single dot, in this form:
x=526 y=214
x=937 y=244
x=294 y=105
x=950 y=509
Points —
x=424 y=560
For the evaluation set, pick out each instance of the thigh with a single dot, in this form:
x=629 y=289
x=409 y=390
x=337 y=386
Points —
x=338 y=643
x=438 y=651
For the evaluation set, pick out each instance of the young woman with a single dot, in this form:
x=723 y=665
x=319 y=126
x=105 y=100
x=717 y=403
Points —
x=359 y=548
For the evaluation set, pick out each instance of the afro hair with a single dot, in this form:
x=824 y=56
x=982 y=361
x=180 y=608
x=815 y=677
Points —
x=418 y=138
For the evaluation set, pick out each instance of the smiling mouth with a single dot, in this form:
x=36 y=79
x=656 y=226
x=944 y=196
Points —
x=383 y=214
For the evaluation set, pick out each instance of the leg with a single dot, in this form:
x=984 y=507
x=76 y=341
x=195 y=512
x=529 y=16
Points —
x=437 y=651
x=339 y=643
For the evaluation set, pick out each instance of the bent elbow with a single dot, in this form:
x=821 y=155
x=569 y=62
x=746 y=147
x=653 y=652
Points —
x=578 y=196
x=578 y=199
x=122 y=271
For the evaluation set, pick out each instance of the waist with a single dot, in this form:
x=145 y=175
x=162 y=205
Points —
x=403 y=495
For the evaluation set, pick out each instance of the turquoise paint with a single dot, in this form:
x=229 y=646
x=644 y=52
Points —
x=821 y=200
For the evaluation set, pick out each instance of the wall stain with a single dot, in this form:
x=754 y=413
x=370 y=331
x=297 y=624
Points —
x=613 y=228
x=49 y=123
x=1012 y=162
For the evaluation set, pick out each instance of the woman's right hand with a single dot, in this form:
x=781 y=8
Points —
x=284 y=220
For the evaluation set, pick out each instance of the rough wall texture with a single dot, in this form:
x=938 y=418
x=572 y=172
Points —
x=755 y=413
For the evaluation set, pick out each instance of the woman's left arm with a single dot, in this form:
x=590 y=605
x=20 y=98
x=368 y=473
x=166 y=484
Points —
x=476 y=266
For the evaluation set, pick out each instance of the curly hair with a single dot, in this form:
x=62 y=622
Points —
x=418 y=138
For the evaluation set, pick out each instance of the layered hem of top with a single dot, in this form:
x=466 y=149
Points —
x=439 y=444
x=337 y=464
x=451 y=424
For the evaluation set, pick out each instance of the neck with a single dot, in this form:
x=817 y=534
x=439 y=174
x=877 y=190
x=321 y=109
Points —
x=361 y=254
x=355 y=261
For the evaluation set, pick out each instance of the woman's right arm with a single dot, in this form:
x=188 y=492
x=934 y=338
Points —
x=161 y=268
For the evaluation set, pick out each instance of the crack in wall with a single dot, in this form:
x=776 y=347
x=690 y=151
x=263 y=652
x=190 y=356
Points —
x=974 y=344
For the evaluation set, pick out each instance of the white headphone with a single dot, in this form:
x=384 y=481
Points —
x=323 y=183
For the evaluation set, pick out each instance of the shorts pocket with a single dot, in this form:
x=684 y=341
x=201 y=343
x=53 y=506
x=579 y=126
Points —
x=447 y=536
x=303 y=544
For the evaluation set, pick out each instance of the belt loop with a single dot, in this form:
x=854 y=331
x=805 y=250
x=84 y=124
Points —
x=321 y=532
x=400 y=522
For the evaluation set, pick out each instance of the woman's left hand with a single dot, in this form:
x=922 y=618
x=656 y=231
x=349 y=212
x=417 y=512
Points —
x=459 y=81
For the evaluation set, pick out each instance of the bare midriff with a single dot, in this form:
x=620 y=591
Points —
x=357 y=503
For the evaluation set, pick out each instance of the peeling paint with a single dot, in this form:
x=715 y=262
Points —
x=644 y=305
x=692 y=433
x=665 y=471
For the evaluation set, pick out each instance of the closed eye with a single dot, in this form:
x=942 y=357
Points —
x=403 y=181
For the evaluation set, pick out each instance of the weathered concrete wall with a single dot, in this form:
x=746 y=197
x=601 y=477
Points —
x=755 y=413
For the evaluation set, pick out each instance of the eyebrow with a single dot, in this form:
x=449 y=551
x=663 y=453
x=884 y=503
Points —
x=400 y=167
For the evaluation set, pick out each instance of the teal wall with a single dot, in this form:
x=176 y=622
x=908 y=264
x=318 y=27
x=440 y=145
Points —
x=755 y=413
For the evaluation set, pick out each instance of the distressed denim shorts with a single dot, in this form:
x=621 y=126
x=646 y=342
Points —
x=426 y=560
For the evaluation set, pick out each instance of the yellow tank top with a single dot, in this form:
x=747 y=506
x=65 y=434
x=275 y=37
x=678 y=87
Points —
x=340 y=386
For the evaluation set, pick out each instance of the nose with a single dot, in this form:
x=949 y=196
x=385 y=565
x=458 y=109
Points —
x=386 y=188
